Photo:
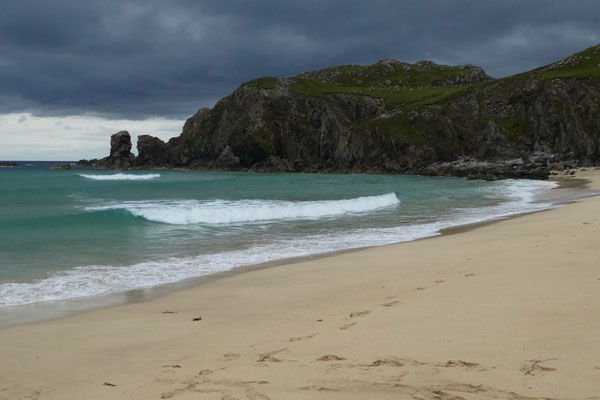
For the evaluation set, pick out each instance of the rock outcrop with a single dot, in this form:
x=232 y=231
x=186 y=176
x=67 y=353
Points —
x=393 y=117
x=151 y=151
x=61 y=166
x=120 y=156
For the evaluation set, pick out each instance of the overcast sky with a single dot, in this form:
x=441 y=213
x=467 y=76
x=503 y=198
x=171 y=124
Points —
x=74 y=72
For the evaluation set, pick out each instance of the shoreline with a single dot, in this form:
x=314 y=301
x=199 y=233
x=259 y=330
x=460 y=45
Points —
x=48 y=311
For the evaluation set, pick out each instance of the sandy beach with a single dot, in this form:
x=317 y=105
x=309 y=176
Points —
x=507 y=310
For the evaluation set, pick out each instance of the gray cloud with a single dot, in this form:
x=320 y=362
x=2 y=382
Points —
x=136 y=59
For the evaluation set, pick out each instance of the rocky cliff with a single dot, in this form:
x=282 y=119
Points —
x=395 y=117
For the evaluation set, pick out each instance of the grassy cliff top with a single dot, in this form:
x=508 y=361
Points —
x=389 y=73
x=424 y=82
x=584 y=65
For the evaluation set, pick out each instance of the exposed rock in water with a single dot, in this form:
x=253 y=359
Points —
x=61 y=166
x=85 y=163
x=393 y=117
x=8 y=164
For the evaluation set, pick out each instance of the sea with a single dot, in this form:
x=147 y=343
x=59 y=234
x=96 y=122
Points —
x=68 y=235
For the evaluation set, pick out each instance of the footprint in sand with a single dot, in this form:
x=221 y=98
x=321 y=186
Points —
x=257 y=396
x=470 y=275
x=269 y=357
x=347 y=326
x=359 y=313
x=457 y=363
x=330 y=357
x=392 y=303
x=318 y=389
x=464 y=388
x=231 y=356
x=299 y=338
x=386 y=362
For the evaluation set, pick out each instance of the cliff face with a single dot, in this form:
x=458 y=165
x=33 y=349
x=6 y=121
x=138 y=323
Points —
x=397 y=117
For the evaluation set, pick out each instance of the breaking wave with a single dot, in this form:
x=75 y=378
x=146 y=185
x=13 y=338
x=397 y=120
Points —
x=186 y=212
x=120 y=177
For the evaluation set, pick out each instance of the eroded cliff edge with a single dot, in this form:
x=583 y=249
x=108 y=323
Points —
x=394 y=117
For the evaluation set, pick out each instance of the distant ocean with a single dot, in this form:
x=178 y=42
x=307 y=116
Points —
x=78 y=233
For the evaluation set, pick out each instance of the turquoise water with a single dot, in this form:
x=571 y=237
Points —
x=77 y=233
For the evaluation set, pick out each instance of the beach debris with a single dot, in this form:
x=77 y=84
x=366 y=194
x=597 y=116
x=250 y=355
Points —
x=169 y=312
x=535 y=366
x=197 y=319
x=109 y=384
x=330 y=357
x=319 y=320
x=358 y=313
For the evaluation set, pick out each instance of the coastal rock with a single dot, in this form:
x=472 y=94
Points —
x=151 y=151
x=394 y=117
x=85 y=163
x=8 y=164
x=227 y=159
x=120 y=152
x=120 y=145
x=61 y=166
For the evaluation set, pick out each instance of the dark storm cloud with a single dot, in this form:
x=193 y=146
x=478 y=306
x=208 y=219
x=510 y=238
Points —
x=134 y=59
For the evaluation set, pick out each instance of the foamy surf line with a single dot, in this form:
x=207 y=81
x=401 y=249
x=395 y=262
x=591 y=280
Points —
x=120 y=177
x=215 y=212
x=95 y=280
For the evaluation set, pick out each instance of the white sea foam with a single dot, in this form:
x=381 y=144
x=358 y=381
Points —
x=229 y=212
x=120 y=177
x=100 y=279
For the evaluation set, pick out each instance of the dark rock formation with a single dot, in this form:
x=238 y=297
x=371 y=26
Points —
x=120 y=145
x=61 y=166
x=85 y=163
x=120 y=152
x=151 y=151
x=227 y=159
x=8 y=164
x=393 y=117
